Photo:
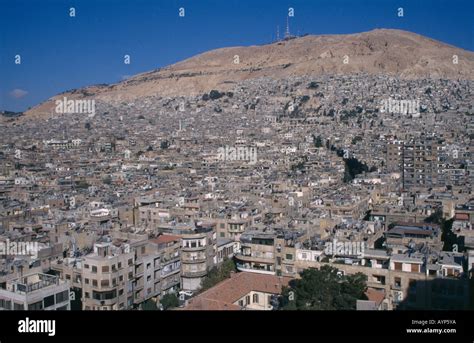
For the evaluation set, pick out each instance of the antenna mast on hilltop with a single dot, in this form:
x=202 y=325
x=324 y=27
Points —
x=278 y=33
x=287 y=32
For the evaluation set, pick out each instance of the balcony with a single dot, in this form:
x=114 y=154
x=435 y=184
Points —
x=247 y=258
x=165 y=273
x=194 y=274
x=106 y=302
x=139 y=270
x=252 y=270
x=171 y=283
x=191 y=249
x=190 y=260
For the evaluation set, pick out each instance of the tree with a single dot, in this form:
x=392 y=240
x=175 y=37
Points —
x=353 y=167
x=164 y=145
x=318 y=141
x=169 y=300
x=217 y=275
x=324 y=289
x=149 y=305
x=214 y=94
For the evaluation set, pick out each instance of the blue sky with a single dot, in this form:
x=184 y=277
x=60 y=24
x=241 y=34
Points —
x=60 y=52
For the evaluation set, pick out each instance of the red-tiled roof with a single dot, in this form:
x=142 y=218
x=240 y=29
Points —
x=461 y=216
x=165 y=239
x=227 y=292
x=375 y=295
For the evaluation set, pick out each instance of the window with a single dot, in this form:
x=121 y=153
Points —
x=398 y=282
x=17 y=307
x=143 y=250
x=121 y=278
x=62 y=296
x=289 y=256
x=87 y=295
x=398 y=265
x=119 y=265
x=105 y=269
x=35 y=306
x=49 y=301
x=148 y=278
x=247 y=299
x=86 y=281
x=94 y=283
x=255 y=298
x=148 y=266
x=94 y=269
x=222 y=225
x=415 y=268
x=130 y=262
x=120 y=291
x=104 y=283
x=241 y=303
x=86 y=266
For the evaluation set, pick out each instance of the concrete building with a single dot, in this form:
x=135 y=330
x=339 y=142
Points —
x=35 y=292
x=108 y=276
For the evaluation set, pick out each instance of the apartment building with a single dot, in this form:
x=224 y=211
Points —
x=147 y=271
x=170 y=252
x=270 y=252
x=108 y=276
x=198 y=255
x=420 y=162
x=36 y=291
x=401 y=236
x=394 y=156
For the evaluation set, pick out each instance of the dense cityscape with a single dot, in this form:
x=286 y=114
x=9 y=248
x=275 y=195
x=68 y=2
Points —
x=183 y=167
x=124 y=212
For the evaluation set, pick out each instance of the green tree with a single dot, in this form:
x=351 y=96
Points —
x=318 y=141
x=169 y=300
x=324 y=289
x=217 y=275
x=164 y=145
x=149 y=305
